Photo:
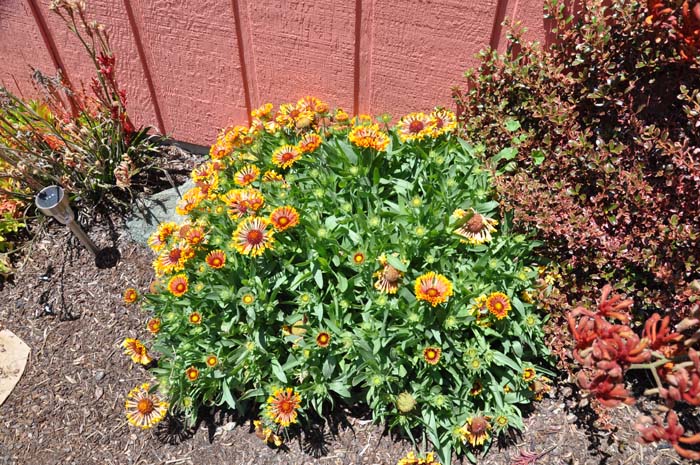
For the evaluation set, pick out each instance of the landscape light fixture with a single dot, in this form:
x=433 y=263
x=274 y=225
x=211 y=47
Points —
x=52 y=201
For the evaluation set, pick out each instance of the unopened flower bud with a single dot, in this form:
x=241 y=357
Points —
x=405 y=402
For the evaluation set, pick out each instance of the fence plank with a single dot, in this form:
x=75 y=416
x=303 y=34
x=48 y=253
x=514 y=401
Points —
x=421 y=49
x=193 y=51
x=304 y=47
x=21 y=47
x=211 y=61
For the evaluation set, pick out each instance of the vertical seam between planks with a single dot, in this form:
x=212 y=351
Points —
x=356 y=67
x=364 y=33
x=144 y=65
x=50 y=45
x=500 y=15
x=245 y=56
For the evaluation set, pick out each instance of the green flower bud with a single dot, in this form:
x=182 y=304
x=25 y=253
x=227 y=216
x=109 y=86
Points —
x=405 y=402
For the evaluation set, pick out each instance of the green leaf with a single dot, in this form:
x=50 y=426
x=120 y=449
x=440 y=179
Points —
x=347 y=149
x=342 y=283
x=257 y=392
x=512 y=125
x=339 y=388
x=328 y=367
x=227 y=397
x=278 y=371
x=396 y=263
x=537 y=157
x=466 y=146
x=507 y=154
x=503 y=360
x=318 y=277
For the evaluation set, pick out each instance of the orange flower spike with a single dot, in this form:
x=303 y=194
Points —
x=614 y=307
x=673 y=433
x=657 y=331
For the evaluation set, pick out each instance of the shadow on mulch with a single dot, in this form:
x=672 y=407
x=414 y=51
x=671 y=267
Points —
x=314 y=434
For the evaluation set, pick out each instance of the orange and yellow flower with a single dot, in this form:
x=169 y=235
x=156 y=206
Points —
x=285 y=156
x=529 y=374
x=251 y=237
x=171 y=260
x=358 y=258
x=309 y=143
x=136 y=350
x=540 y=387
x=441 y=122
x=216 y=259
x=189 y=201
x=192 y=374
x=431 y=355
x=433 y=287
x=266 y=434
x=282 y=406
x=205 y=172
x=178 y=285
x=411 y=459
x=388 y=277
x=143 y=408
x=153 y=325
x=247 y=299
x=413 y=126
x=220 y=150
x=476 y=389
x=158 y=240
x=313 y=104
x=246 y=175
x=498 y=304
x=130 y=295
x=242 y=202
x=212 y=361
x=195 y=318
x=273 y=176
x=263 y=112
x=473 y=227
x=369 y=137
x=475 y=431
x=323 y=339
x=284 y=218
x=480 y=312
x=193 y=235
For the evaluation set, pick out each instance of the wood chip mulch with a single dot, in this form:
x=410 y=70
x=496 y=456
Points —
x=68 y=408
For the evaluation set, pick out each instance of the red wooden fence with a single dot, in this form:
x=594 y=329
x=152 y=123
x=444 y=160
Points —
x=191 y=67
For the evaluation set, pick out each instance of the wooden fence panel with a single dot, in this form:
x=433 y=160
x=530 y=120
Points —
x=303 y=47
x=192 y=49
x=191 y=67
x=21 y=47
x=421 y=49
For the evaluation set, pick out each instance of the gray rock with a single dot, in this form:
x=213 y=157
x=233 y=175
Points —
x=148 y=213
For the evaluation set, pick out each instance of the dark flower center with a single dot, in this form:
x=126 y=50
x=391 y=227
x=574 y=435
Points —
x=145 y=406
x=286 y=406
x=475 y=223
x=416 y=126
x=391 y=274
x=254 y=237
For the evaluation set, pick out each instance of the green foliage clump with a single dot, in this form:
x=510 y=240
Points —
x=332 y=260
x=604 y=166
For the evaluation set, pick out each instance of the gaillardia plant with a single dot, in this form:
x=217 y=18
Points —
x=330 y=258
